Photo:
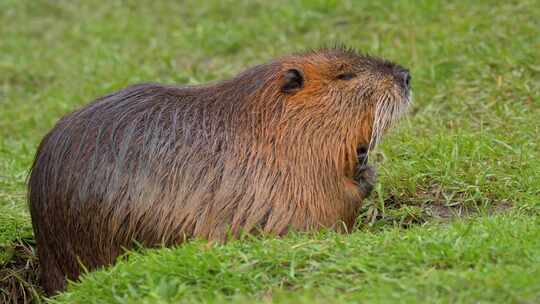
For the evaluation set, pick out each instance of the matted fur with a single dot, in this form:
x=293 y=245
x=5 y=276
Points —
x=160 y=164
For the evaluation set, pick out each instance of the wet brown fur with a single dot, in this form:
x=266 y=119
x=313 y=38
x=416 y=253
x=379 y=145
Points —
x=161 y=164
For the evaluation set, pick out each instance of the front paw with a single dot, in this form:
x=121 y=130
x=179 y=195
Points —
x=365 y=176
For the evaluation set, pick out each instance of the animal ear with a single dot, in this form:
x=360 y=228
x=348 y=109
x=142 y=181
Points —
x=292 y=81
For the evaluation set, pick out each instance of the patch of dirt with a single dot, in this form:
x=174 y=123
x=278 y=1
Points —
x=447 y=212
x=443 y=204
x=433 y=203
x=19 y=275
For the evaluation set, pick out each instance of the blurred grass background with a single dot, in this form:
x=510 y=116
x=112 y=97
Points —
x=469 y=148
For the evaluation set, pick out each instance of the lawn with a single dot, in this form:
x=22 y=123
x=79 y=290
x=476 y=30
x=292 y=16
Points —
x=455 y=216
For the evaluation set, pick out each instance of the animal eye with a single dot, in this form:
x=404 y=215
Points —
x=346 y=76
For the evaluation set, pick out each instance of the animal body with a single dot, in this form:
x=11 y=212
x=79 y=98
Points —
x=281 y=146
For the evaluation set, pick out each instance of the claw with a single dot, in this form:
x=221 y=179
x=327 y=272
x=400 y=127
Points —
x=362 y=154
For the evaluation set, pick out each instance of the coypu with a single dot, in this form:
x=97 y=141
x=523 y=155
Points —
x=280 y=146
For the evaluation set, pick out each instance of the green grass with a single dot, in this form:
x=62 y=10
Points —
x=424 y=264
x=471 y=143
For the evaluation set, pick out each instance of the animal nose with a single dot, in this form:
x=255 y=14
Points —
x=404 y=78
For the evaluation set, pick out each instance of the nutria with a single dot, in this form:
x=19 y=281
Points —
x=280 y=146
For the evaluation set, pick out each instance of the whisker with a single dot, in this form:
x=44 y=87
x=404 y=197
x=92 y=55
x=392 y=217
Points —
x=388 y=110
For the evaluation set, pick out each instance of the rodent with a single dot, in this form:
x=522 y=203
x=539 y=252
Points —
x=282 y=145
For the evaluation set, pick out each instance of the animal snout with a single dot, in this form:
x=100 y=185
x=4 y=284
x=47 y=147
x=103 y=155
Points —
x=403 y=78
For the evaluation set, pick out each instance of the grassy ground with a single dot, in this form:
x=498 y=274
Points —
x=471 y=144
